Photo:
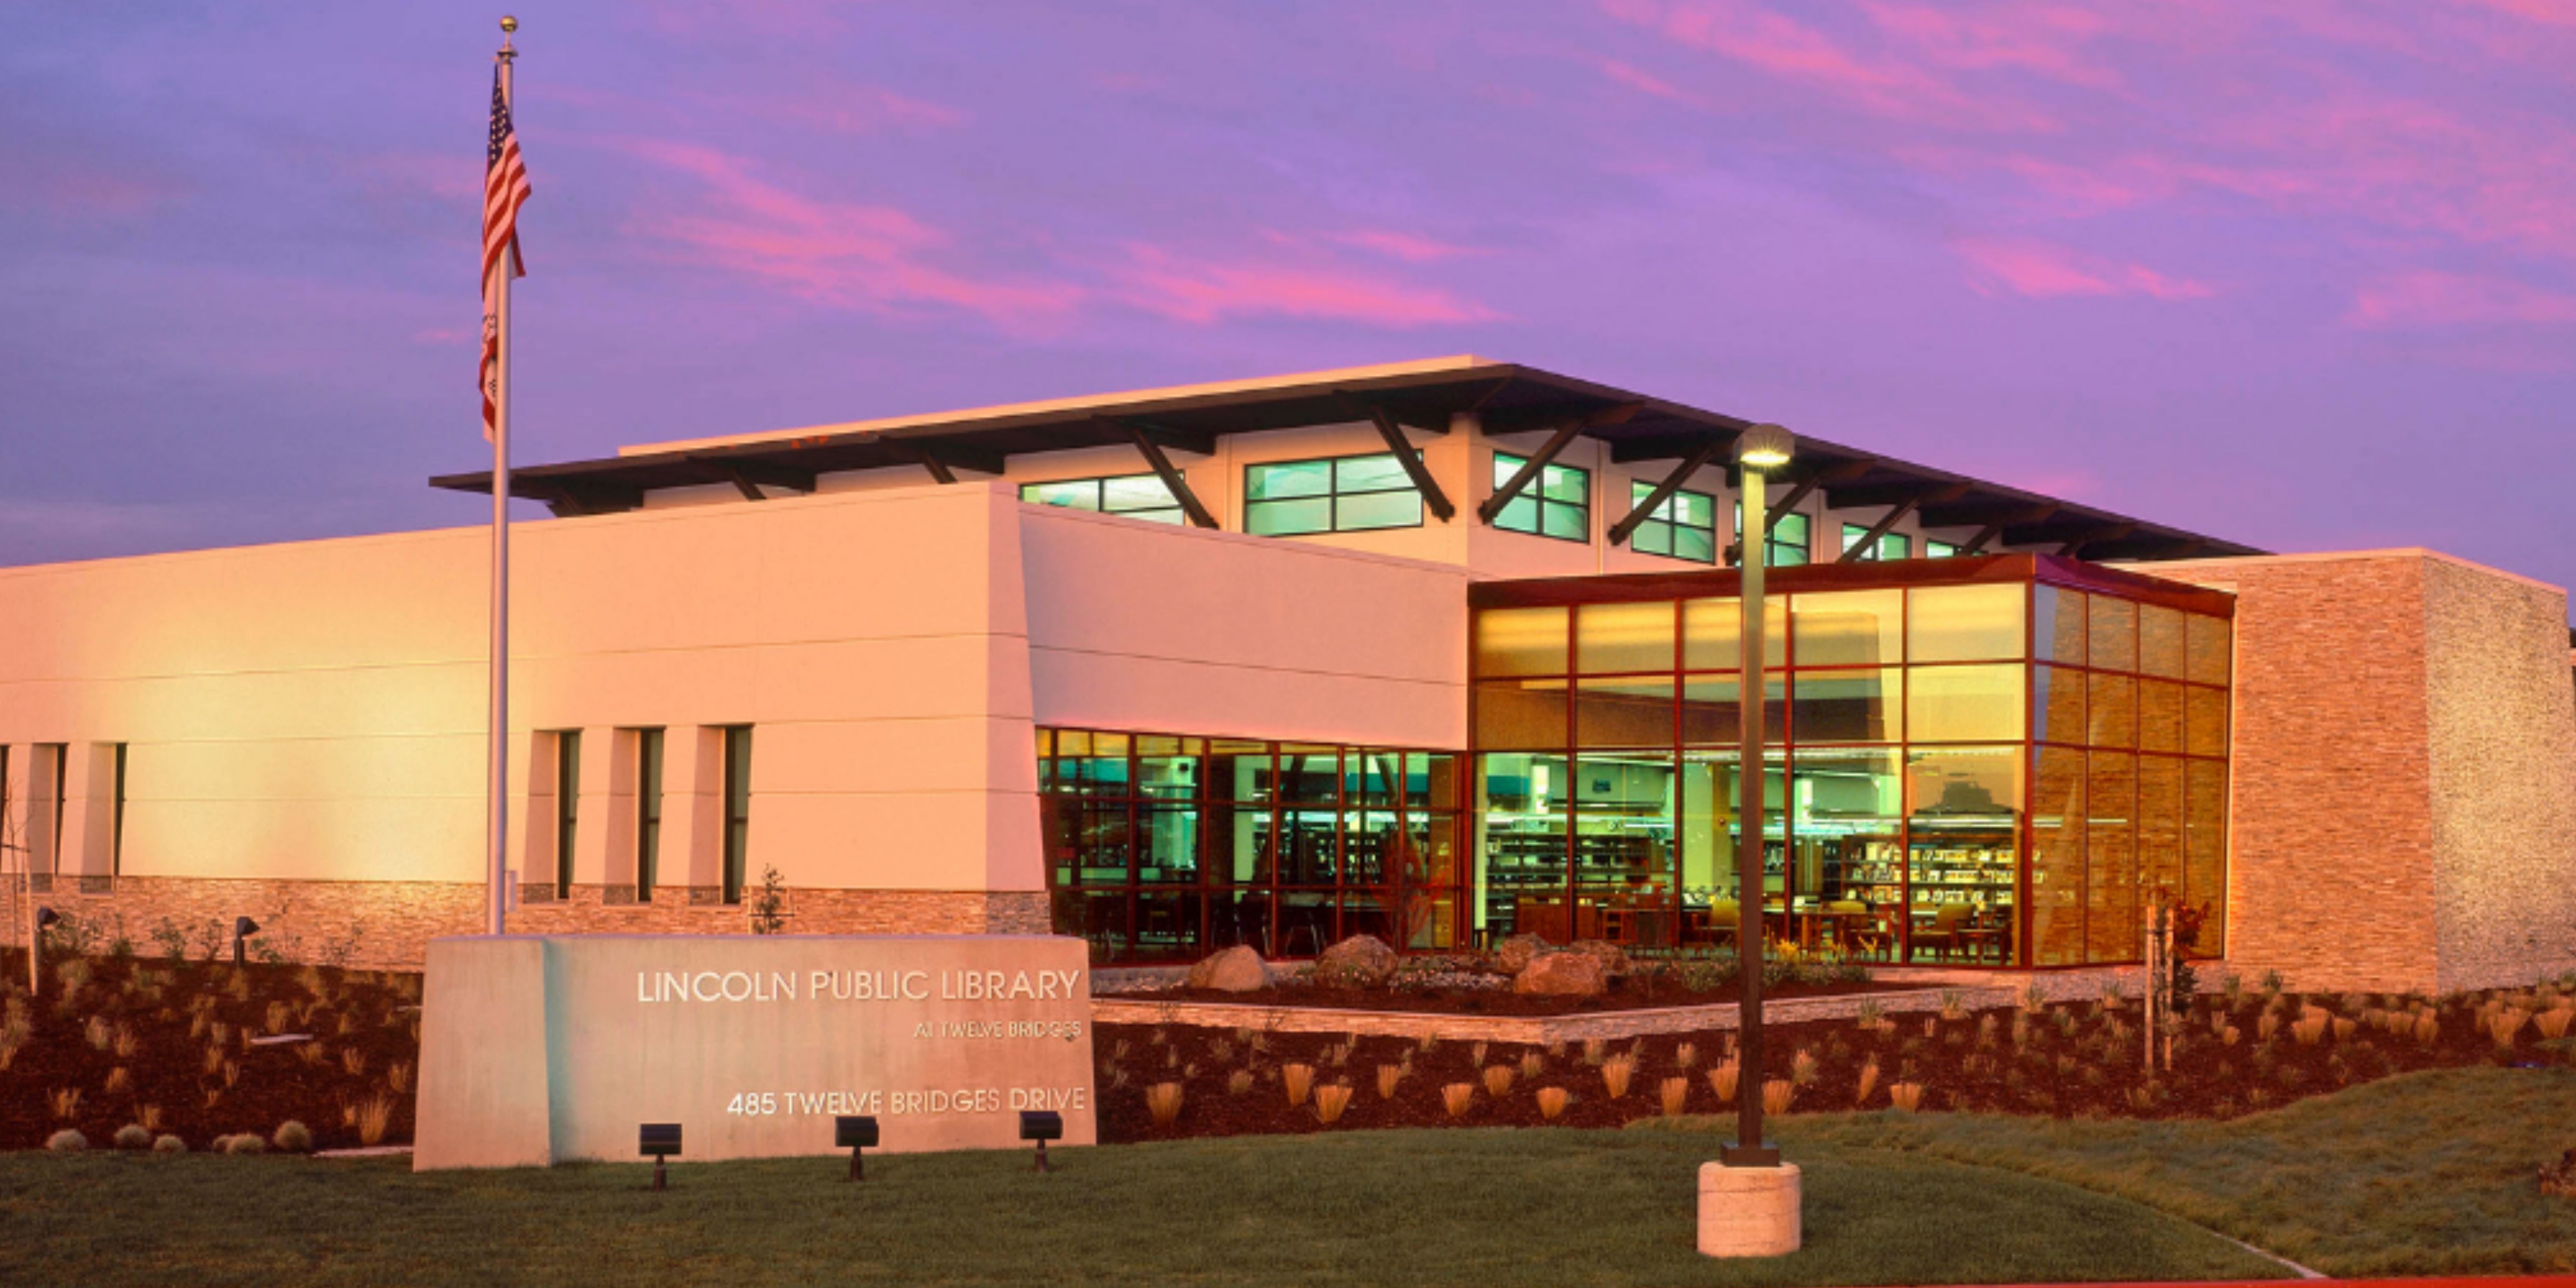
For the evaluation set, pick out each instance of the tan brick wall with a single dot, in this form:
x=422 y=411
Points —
x=2504 y=777
x=388 y=924
x=2401 y=776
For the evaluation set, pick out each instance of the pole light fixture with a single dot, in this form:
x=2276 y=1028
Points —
x=1758 y=449
x=1041 y=1125
x=659 y=1141
x=855 y=1132
x=243 y=929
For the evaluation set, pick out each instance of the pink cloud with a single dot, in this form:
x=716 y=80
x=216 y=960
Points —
x=1204 y=293
x=848 y=110
x=1410 y=248
x=1791 y=51
x=2037 y=38
x=840 y=253
x=2429 y=298
x=2556 y=13
x=2044 y=271
x=71 y=186
x=1647 y=84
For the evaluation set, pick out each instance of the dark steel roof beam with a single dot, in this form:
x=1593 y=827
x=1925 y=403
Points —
x=2100 y=534
x=1547 y=452
x=1178 y=486
x=1866 y=547
x=1986 y=535
x=1433 y=498
x=1710 y=446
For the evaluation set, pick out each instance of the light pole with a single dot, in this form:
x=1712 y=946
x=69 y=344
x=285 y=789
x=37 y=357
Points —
x=1759 y=449
x=1749 y=1200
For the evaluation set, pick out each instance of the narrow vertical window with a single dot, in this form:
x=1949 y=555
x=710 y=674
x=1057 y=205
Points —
x=116 y=837
x=567 y=806
x=62 y=767
x=737 y=808
x=648 y=811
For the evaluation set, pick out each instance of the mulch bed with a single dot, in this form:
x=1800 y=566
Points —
x=188 y=1064
x=1629 y=993
x=2066 y=1060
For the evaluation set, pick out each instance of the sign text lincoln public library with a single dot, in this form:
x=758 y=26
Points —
x=858 y=986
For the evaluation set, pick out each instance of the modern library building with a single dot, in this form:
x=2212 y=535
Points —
x=1442 y=652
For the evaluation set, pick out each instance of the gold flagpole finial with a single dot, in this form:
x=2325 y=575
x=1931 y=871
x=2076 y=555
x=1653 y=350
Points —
x=509 y=25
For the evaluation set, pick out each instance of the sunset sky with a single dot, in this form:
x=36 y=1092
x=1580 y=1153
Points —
x=2297 y=273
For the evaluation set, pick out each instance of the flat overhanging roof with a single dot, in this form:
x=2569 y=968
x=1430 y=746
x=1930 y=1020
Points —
x=1506 y=397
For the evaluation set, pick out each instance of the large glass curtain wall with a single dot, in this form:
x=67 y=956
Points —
x=1998 y=773
x=1172 y=847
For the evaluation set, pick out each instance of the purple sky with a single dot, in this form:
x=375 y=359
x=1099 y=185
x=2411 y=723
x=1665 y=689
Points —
x=2305 y=279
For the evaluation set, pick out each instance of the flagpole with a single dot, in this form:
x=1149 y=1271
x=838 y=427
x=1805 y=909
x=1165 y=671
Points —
x=497 y=784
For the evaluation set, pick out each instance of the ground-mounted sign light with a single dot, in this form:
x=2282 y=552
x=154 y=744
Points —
x=35 y=947
x=1748 y=1201
x=659 y=1141
x=243 y=929
x=1041 y=1125
x=855 y=1132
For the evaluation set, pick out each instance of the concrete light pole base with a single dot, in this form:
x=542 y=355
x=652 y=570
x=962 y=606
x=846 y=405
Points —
x=1748 y=1211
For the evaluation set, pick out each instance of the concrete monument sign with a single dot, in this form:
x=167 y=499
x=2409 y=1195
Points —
x=542 y=1049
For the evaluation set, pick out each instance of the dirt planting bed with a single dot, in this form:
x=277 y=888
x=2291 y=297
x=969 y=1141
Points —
x=2231 y=1055
x=1627 y=993
x=177 y=1047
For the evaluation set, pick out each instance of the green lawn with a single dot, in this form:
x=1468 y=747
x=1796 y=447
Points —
x=2422 y=1174
x=1485 y=1207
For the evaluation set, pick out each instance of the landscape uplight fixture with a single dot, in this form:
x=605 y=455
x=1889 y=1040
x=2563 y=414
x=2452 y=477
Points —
x=1757 y=449
x=1041 y=1125
x=659 y=1141
x=35 y=948
x=855 y=1132
x=243 y=929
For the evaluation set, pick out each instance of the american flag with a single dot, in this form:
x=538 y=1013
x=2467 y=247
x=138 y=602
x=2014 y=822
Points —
x=505 y=189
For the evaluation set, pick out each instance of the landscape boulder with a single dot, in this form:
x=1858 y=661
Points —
x=1361 y=961
x=1563 y=974
x=1613 y=959
x=1513 y=955
x=1236 y=970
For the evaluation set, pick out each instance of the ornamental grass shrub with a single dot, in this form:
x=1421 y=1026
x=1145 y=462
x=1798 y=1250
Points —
x=1616 y=1071
x=293 y=1137
x=1498 y=1080
x=168 y=1144
x=1722 y=1080
x=1457 y=1097
x=1298 y=1080
x=1675 y=1096
x=1330 y=1100
x=133 y=1136
x=1551 y=1102
x=67 y=1141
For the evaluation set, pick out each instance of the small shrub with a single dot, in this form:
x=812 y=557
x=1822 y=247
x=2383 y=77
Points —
x=1297 y=1080
x=1163 y=1101
x=1595 y=1050
x=375 y=1114
x=1615 y=1072
x=1388 y=1077
x=97 y=1033
x=1498 y=1080
x=1954 y=1004
x=1802 y=1067
x=1551 y=1102
x=2428 y=1028
x=119 y=1079
x=278 y=1015
x=1239 y=1082
x=1906 y=1097
x=247 y=1142
x=353 y=1061
x=1868 y=1083
x=1533 y=1064
x=1330 y=1101
x=2310 y=1030
x=1722 y=1080
x=169 y=1145
x=292 y=1137
x=1456 y=1097
x=2344 y=1029
x=2268 y=1025
x=133 y=1136
x=67 y=1141
x=2552 y=1023
x=1776 y=1095
x=65 y=1101
x=1866 y=1018
x=150 y=1117
x=1676 y=1096
x=1686 y=1055
x=2507 y=1024
x=311 y=1053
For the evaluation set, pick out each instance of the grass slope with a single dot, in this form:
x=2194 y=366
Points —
x=1489 y=1207
x=2422 y=1174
